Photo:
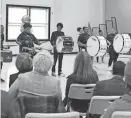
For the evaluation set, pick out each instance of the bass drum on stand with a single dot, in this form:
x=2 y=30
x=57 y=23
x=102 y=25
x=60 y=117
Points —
x=64 y=44
x=122 y=43
x=97 y=46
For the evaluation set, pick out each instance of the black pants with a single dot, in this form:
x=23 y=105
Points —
x=58 y=56
x=113 y=57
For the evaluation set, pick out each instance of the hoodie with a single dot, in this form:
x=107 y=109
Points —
x=122 y=104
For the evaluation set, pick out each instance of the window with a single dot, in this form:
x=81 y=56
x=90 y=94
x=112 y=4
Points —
x=40 y=20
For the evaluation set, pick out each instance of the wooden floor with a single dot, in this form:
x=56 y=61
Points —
x=68 y=62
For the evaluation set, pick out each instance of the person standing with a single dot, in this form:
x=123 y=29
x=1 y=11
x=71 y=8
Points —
x=112 y=54
x=80 y=31
x=57 y=55
x=26 y=38
x=2 y=36
x=82 y=40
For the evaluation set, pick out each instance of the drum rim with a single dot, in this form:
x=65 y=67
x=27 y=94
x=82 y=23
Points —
x=123 y=43
x=99 y=46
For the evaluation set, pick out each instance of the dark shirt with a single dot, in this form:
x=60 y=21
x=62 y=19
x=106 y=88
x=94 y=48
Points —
x=83 y=38
x=112 y=87
x=2 y=40
x=26 y=39
x=110 y=38
x=13 y=77
x=55 y=35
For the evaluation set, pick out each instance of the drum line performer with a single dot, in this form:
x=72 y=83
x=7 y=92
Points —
x=26 y=38
x=57 y=55
x=112 y=54
x=83 y=38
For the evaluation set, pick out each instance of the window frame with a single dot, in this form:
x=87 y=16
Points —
x=7 y=18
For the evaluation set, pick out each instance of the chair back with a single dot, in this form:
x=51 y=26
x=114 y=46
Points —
x=121 y=114
x=81 y=92
x=99 y=104
x=53 y=115
x=41 y=104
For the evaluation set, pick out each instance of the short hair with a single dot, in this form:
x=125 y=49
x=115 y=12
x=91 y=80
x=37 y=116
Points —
x=42 y=61
x=85 y=27
x=24 y=62
x=78 y=29
x=60 y=24
x=27 y=25
x=118 y=68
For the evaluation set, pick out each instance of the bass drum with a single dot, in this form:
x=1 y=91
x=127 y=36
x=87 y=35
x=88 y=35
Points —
x=64 y=44
x=97 y=46
x=122 y=43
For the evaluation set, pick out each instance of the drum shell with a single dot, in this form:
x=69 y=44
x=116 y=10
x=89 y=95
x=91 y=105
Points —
x=64 y=44
x=97 y=48
x=122 y=43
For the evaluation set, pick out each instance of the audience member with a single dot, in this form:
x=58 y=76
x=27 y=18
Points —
x=7 y=106
x=83 y=74
x=114 y=86
x=37 y=81
x=23 y=64
x=124 y=103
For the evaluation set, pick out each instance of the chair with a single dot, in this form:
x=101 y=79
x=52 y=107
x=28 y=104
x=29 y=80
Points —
x=99 y=104
x=40 y=104
x=53 y=115
x=80 y=92
x=121 y=114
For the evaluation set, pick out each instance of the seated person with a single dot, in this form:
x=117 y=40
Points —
x=7 y=106
x=38 y=81
x=23 y=64
x=26 y=38
x=114 y=86
x=83 y=74
x=124 y=103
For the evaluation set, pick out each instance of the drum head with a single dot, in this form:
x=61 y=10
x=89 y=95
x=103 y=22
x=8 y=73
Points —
x=118 y=43
x=93 y=46
x=59 y=44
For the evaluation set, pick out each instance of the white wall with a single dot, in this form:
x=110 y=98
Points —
x=72 y=13
x=121 y=9
x=76 y=13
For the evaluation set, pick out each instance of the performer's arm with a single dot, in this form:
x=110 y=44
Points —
x=19 y=39
x=35 y=40
x=79 y=42
x=52 y=39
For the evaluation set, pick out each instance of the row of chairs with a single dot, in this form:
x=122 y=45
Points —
x=118 y=114
x=98 y=104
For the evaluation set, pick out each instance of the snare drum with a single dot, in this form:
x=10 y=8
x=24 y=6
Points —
x=97 y=46
x=64 y=44
x=122 y=43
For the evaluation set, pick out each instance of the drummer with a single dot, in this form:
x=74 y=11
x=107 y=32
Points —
x=26 y=38
x=112 y=54
x=82 y=40
x=57 y=55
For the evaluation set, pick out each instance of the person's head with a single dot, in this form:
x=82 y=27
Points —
x=83 y=69
x=113 y=31
x=59 y=27
x=27 y=27
x=85 y=29
x=2 y=28
x=42 y=62
x=118 y=68
x=26 y=19
x=24 y=62
x=80 y=30
x=128 y=75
